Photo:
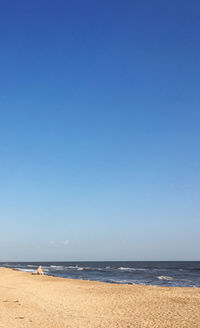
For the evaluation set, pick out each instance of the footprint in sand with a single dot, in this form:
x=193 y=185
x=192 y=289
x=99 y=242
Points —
x=19 y=317
x=6 y=301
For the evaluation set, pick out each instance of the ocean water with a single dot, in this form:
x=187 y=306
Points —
x=185 y=274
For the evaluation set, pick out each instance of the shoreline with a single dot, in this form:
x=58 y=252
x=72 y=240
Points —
x=105 y=282
x=32 y=300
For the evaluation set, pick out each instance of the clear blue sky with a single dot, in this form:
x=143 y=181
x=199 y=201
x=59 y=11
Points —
x=99 y=130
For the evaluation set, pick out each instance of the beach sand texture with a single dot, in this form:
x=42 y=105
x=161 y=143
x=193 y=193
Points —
x=48 y=302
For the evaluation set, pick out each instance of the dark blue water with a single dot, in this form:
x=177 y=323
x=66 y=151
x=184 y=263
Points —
x=186 y=274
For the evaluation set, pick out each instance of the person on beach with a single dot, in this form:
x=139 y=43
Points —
x=40 y=271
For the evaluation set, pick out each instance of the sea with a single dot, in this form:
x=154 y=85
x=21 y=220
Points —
x=176 y=273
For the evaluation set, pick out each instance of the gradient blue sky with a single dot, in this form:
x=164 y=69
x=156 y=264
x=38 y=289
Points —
x=99 y=130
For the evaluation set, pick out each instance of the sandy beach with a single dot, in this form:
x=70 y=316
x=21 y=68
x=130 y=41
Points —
x=47 y=302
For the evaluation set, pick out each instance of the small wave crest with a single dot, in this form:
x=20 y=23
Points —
x=72 y=267
x=112 y=281
x=57 y=267
x=131 y=269
x=165 y=278
x=87 y=269
x=126 y=269
x=125 y=282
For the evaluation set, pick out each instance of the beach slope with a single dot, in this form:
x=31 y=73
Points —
x=48 y=302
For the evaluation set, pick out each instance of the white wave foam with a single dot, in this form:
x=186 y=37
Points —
x=26 y=270
x=72 y=267
x=126 y=269
x=85 y=269
x=165 y=278
x=127 y=282
x=57 y=267
x=131 y=269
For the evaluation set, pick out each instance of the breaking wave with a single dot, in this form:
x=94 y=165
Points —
x=165 y=278
x=185 y=274
x=131 y=269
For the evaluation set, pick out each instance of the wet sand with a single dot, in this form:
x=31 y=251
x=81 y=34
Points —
x=48 y=302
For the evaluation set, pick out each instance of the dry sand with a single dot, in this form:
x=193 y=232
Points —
x=48 y=302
